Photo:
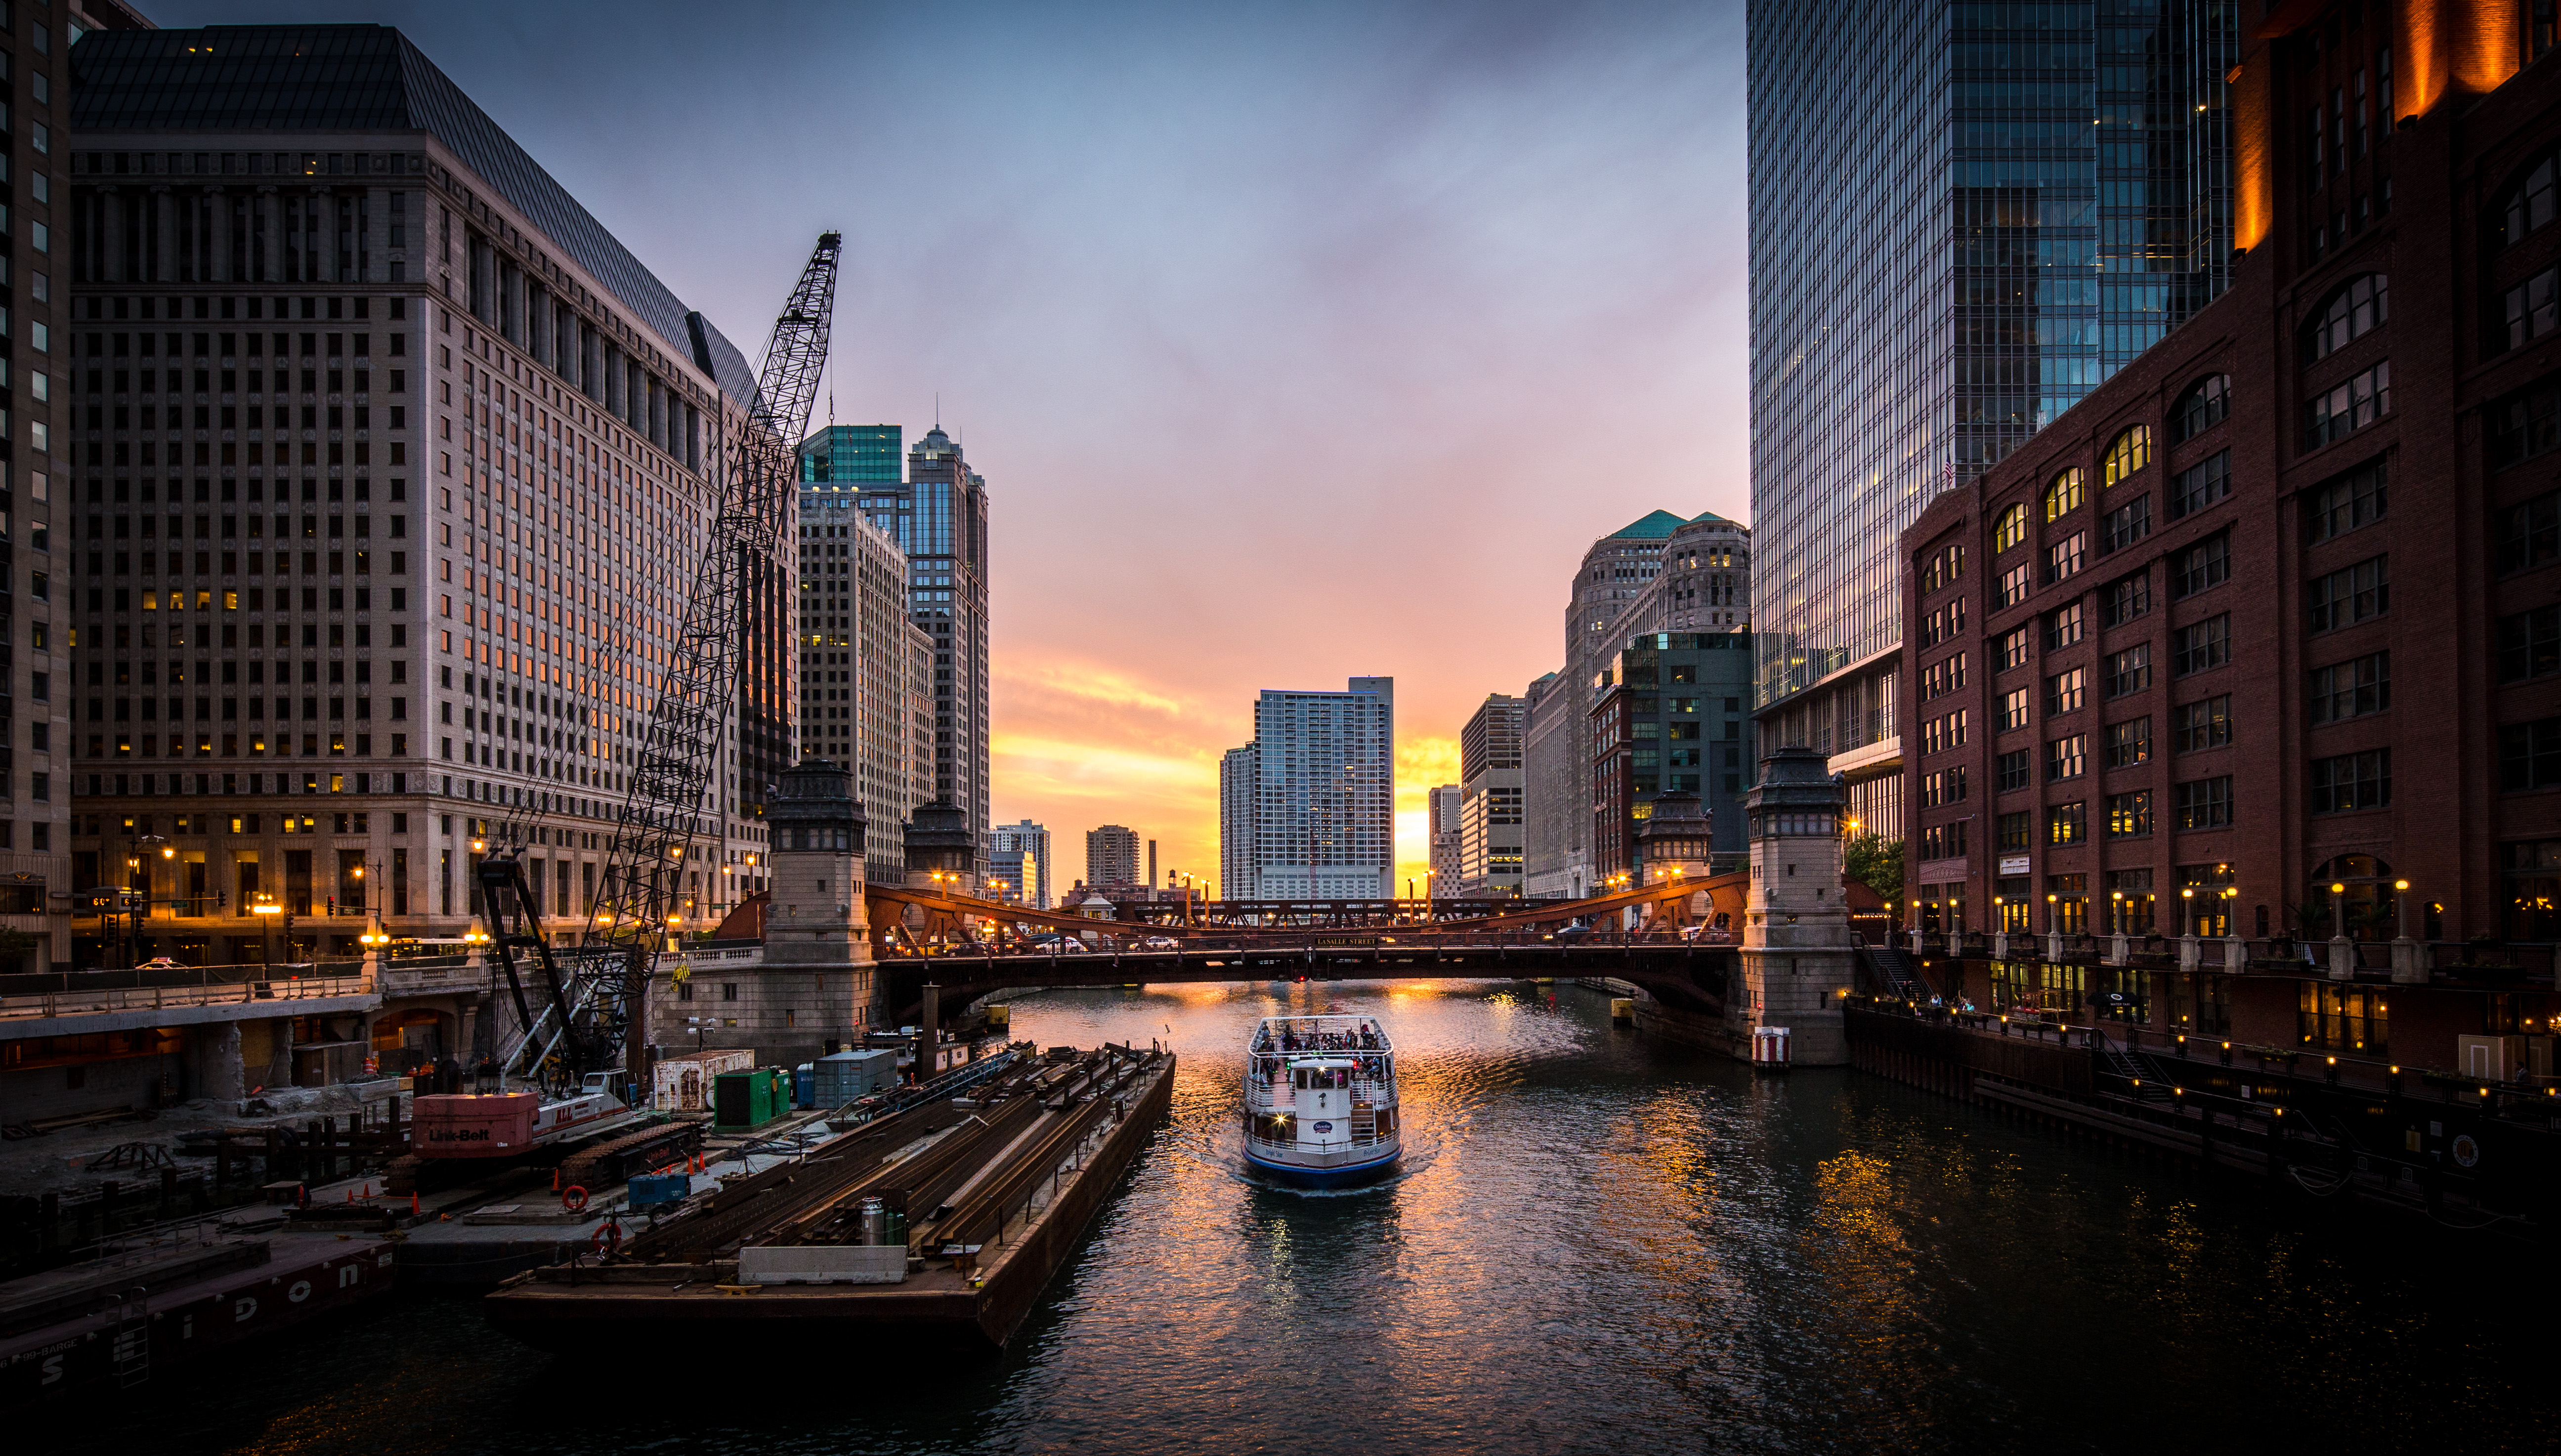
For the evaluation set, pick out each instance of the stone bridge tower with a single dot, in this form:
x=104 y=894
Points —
x=814 y=983
x=1797 y=954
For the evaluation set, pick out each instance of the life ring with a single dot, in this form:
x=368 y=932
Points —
x=573 y=1199
x=608 y=1240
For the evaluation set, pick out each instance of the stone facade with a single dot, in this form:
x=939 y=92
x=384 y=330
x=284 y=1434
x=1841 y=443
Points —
x=1797 y=953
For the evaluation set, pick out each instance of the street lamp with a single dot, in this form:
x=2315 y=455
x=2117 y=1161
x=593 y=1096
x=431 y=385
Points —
x=2187 y=912
x=2116 y=912
x=264 y=904
x=2401 y=909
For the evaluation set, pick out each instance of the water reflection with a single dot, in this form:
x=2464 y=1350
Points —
x=1597 y=1243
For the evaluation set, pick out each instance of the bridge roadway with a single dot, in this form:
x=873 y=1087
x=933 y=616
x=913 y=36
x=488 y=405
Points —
x=1689 y=975
x=1227 y=922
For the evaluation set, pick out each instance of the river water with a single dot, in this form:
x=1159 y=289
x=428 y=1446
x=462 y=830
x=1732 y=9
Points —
x=1597 y=1243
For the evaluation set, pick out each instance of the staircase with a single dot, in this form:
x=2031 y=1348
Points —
x=1895 y=972
x=2115 y=1061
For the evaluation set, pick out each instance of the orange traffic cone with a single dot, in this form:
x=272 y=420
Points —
x=413 y=1206
x=556 y=1179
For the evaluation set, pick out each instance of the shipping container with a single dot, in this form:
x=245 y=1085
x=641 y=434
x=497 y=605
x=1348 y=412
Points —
x=684 y=1083
x=849 y=1075
x=742 y=1099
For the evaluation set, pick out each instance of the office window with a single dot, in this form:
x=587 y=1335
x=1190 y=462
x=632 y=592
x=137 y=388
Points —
x=1945 y=676
x=2530 y=755
x=2013 y=830
x=2130 y=816
x=2127 y=453
x=2065 y=627
x=2347 y=502
x=2347 y=595
x=2009 y=529
x=2351 y=689
x=2067 y=824
x=2129 y=742
x=2525 y=424
x=2353 y=782
x=2207 y=644
x=1944 y=840
x=2127 y=524
x=2017 y=583
x=2206 y=725
x=2015 y=706
x=2064 y=557
x=2526 y=311
x=2063 y=494
x=2205 y=803
x=2349 y=406
x=2529 y=534
x=2063 y=690
x=2357 y=308
x=2015 y=647
x=2203 y=407
x=2200 y=485
x=2012 y=770
x=2204 y=565
x=2067 y=757
x=2130 y=671
x=2527 y=205
x=1942 y=787
x=2530 y=644
x=2128 y=597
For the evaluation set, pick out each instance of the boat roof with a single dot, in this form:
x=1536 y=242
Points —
x=1326 y=1063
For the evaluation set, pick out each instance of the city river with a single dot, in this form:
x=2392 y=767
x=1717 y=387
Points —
x=1597 y=1243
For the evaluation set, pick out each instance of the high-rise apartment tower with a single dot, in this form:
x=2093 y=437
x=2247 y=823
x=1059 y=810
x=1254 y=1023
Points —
x=1321 y=822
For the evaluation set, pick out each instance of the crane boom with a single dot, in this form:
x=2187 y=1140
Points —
x=662 y=812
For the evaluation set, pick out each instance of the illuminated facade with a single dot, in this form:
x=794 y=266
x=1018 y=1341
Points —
x=395 y=471
x=2006 y=215
x=1319 y=820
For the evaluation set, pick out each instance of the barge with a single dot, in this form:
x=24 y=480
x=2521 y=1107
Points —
x=118 y=1322
x=932 y=1229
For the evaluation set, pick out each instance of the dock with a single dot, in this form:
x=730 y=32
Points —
x=983 y=1198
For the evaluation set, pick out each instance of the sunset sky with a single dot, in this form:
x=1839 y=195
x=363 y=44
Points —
x=1294 y=342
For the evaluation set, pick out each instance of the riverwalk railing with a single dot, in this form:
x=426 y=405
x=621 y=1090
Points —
x=88 y=993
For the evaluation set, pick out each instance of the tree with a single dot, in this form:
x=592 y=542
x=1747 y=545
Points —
x=1877 y=863
x=15 y=947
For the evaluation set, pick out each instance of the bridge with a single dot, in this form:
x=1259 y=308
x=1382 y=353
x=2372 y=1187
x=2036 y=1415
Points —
x=927 y=922
x=1680 y=949
x=1693 y=975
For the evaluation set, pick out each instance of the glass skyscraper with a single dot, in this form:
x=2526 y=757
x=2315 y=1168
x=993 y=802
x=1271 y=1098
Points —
x=1964 y=214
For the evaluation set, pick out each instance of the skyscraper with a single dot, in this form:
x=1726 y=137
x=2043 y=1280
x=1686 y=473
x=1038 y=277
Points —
x=1030 y=843
x=1489 y=799
x=1112 y=856
x=1321 y=822
x=1656 y=574
x=444 y=456
x=938 y=517
x=1442 y=804
x=1959 y=227
x=866 y=665
x=1238 y=775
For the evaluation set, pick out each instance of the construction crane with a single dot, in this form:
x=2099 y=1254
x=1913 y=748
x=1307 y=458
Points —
x=601 y=985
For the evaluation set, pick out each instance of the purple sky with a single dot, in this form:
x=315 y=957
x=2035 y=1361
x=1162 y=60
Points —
x=1294 y=342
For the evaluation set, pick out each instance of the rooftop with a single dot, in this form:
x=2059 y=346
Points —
x=367 y=78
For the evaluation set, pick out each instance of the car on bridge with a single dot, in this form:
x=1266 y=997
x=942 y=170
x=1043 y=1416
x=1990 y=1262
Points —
x=1059 y=945
x=1160 y=942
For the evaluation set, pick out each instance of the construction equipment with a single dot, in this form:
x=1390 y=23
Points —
x=663 y=810
x=590 y=1018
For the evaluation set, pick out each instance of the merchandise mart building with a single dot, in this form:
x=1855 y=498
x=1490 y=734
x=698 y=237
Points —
x=393 y=469
x=1956 y=231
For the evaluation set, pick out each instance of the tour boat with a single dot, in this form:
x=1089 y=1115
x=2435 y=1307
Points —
x=1321 y=1099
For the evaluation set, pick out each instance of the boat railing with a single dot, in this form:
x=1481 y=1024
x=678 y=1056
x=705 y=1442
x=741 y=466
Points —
x=1358 y=1151
x=1262 y=1098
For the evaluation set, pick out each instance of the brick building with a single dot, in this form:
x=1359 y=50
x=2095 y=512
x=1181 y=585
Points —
x=2159 y=648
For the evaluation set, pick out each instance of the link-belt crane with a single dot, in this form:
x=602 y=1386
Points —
x=595 y=1015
